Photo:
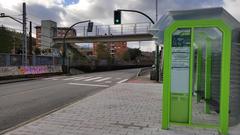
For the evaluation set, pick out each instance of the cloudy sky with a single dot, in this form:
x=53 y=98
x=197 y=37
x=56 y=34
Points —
x=66 y=12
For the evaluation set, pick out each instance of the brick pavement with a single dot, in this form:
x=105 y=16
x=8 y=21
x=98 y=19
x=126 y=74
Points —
x=124 y=109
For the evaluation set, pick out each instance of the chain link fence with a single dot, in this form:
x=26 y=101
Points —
x=33 y=60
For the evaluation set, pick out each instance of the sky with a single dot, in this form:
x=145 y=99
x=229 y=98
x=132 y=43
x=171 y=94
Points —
x=67 y=12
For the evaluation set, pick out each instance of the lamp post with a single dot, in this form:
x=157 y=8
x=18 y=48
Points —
x=157 y=57
x=65 y=65
x=24 y=27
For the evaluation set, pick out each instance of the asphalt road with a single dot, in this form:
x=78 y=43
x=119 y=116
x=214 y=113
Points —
x=23 y=101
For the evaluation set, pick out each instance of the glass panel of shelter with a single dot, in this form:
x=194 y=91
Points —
x=206 y=70
x=207 y=67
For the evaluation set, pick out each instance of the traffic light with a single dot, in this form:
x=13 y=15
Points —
x=117 y=17
x=2 y=14
x=90 y=27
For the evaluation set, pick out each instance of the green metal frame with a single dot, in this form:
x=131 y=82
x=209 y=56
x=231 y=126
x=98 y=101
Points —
x=225 y=66
x=191 y=74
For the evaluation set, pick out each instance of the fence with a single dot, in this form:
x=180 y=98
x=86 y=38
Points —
x=33 y=60
x=123 y=29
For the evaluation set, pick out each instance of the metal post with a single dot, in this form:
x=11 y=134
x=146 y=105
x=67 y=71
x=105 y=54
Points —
x=135 y=28
x=157 y=62
x=34 y=60
x=121 y=29
x=30 y=38
x=84 y=31
x=23 y=44
x=24 y=55
x=52 y=56
x=96 y=31
x=8 y=60
x=109 y=30
x=156 y=10
x=157 y=49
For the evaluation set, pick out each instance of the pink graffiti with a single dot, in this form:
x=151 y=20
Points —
x=33 y=70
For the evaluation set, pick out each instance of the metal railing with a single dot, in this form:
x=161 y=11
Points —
x=33 y=60
x=123 y=29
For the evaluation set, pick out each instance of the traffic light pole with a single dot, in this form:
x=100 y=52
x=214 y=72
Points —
x=66 y=65
x=137 y=12
x=157 y=57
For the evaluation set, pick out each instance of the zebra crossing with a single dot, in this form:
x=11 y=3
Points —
x=95 y=79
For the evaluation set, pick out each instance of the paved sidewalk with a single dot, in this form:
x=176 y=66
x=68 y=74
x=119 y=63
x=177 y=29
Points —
x=124 y=109
x=143 y=78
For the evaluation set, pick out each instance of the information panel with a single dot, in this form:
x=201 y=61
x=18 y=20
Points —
x=180 y=61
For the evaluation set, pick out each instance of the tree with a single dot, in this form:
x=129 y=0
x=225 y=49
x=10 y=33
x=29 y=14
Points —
x=9 y=40
x=37 y=51
x=103 y=52
x=134 y=53
x=126 y=56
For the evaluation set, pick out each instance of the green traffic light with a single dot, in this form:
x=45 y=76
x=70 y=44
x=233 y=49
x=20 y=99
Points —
x=117 y=17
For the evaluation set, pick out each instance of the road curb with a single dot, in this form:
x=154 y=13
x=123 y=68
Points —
x=14 y=81
x=135 y=76
x=142 y=70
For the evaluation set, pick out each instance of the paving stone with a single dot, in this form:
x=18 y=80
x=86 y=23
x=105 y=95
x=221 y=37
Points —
x=124 y=109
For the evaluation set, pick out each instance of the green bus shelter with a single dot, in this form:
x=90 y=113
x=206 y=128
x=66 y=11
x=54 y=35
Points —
x=201 y=74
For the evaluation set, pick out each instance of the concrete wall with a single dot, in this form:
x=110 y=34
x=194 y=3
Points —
x=27 y=70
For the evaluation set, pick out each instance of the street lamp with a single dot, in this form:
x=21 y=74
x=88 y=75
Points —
x=2 y=15
x=65 y=66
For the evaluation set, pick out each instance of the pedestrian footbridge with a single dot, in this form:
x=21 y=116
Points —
x=110 y=33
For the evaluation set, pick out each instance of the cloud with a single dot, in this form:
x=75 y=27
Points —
x=46 y=13
x=101 y=11
x=232 y=6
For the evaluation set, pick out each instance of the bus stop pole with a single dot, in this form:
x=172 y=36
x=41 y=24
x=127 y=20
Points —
x=157 y=62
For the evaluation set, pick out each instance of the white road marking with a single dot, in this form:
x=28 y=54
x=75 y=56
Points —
x=72 y=78
x=95 y=78
x=104 y=79
x=108 y=81
x=124 y=80
x=81 y=78
x=93 y=85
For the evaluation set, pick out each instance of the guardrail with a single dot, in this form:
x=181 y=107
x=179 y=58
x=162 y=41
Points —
x=123 y=29
x=33 y=60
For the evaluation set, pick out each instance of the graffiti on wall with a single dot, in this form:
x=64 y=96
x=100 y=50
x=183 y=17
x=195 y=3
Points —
x=4 y=71
x=27 y=70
